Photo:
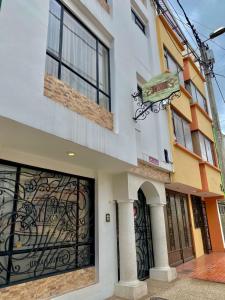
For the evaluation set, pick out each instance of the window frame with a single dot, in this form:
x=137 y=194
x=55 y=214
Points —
x=138 y=21
x=183 y=120
x=11 y=251
x=188 y=86
x=205 y=149
x=61 y=64
x=167 y=55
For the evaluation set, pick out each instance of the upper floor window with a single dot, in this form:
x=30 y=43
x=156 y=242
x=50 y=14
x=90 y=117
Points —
x=138 y=21
x=182 y=131
x=173 y=66
x=76 y=56
x=197 y=96
x=206 y=147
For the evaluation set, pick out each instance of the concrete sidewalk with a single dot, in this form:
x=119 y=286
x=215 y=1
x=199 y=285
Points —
x=183 y=289
x=186 y=289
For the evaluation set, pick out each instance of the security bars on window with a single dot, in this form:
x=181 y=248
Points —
x=46 y=223
x=76 y=56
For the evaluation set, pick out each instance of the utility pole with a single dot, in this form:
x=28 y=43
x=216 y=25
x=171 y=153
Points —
x=207 y=62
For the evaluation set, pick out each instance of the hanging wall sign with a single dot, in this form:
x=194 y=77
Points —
x=156 y=94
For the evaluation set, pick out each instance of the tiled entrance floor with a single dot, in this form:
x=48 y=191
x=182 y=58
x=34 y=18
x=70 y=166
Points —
x=209 y=267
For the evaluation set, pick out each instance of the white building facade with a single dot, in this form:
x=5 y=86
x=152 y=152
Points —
x=77 y=173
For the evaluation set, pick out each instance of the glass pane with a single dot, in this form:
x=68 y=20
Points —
x=54 y=27
x=51 y=66
x=181 y=76
x=79 y=84
x=187 y=135
x=79 y=49
x=172 y=64
x=202 y=147
x=103 y=68
x=104 y=101
x=39 y=263
x=209 y=151
x=46 y=210
x=7 y=191
x=178 y=129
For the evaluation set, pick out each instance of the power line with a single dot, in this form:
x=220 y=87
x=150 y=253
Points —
x=220 y=75
x=189 y=25
x=181 y=21
x=221 y=93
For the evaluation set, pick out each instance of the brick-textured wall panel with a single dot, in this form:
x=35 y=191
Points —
x=105 y=5
x=59 y=91
x=50 y=287
x=146 y=170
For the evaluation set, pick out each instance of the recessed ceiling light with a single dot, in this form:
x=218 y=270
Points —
x=70 y=154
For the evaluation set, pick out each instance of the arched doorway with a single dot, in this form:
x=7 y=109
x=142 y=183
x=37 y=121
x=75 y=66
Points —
x=143 y=236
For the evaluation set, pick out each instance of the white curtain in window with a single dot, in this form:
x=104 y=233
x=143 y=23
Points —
x=187 y=135
x=208 y=146
x=178 y=129
x=79 y=49
x=202 y=147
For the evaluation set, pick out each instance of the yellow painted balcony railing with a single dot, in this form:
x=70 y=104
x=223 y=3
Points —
x=201 y=121
x=211 y=178
x=186 y=167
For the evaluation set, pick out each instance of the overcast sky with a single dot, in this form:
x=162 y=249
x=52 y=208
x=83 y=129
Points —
x=206 y=16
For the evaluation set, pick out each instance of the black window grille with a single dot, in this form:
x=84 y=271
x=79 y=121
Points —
x=138 y=21
x=46 y=223
x=76 y=56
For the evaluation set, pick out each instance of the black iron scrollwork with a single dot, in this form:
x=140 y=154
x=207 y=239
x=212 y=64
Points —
x=46 y=224
x=145 y=108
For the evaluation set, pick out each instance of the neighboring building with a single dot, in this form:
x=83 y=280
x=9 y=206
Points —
x=79 y=178
x=192 y=218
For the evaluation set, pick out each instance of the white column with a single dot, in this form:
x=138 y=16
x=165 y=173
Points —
x=161 y=271
x=129 y=287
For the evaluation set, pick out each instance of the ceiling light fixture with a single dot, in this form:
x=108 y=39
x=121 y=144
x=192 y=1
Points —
x=71 y=154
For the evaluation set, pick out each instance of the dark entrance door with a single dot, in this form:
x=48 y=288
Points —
x=201 y=221
x=179 y=238
x=143 y=236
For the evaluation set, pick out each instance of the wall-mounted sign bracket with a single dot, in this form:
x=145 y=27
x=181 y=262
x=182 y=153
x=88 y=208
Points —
x=145 y=108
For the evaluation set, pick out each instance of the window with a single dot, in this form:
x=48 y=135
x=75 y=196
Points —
x=197 y=96
x=197 y=211
x=138 y=21
x=182 y=131
x=46 y=223
x=76 y=56
x=206 y=148
x=173 y=66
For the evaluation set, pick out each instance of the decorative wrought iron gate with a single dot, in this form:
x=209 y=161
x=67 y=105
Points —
x=46 y=223
x=179 y=237
x=143 y=236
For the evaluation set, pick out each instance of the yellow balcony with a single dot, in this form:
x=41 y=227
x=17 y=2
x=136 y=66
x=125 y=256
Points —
x=167 y=38
x=201 y=121
x=186 y=167
x=211 y=178
x=191 y=72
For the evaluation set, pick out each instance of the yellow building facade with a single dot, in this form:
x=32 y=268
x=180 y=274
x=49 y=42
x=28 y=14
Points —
x=195 y=187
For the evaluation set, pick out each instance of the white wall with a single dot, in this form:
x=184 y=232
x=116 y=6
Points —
x=23 y=35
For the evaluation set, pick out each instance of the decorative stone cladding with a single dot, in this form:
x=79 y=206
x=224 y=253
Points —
x=146 y=170
x=50 y=287
x=105 y=5
x=60 y=92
